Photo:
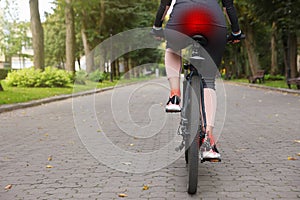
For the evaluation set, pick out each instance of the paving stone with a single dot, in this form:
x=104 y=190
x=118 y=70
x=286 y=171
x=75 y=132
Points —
x=255 y=142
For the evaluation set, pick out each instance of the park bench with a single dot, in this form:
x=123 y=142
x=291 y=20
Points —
x=259 y=75
x=293 y=81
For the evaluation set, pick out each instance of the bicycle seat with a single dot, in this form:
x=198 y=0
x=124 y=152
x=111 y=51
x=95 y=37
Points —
x=200 y=39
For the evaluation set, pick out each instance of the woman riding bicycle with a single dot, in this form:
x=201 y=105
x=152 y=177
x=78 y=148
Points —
x=192 y=17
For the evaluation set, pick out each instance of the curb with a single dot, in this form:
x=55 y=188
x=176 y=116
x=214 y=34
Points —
x=282 y=90
x=11 y=107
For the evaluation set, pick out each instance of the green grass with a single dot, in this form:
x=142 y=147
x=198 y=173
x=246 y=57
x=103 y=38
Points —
x=12 y=95
x=275 y=84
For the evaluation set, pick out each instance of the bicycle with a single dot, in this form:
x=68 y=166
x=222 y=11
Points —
x=193 y=124
x=193 y=118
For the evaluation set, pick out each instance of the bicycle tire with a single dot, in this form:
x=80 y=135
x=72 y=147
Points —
x=194 y=125
x=185 y=110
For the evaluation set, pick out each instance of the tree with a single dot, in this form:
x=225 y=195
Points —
x=94 y=21
x=283 y=17
x=55 y=36
x=249 y=23
x=37 y=35
x=13 y=33
x=91 y=15
x=70 y=36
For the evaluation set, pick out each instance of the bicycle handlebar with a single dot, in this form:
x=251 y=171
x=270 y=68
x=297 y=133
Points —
x=230 y=40
x=160 y=34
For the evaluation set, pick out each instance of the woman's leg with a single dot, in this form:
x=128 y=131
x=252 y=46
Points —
x=215 y=49
x=210 y=101
x=173 y=68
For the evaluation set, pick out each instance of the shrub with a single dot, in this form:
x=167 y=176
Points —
x=53 y=77
x=23 y=78
x=3 y=73
x=50 y=77
x=81 y=77
x=98 y=76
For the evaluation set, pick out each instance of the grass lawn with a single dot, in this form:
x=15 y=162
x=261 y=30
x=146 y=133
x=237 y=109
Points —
x=275 y=84
x=12 y=95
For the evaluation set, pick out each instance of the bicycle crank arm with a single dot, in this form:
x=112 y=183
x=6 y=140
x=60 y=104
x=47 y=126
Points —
x=180 y=147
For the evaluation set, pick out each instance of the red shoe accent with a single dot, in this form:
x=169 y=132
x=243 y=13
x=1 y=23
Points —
x=175 y=92
x=211 y=138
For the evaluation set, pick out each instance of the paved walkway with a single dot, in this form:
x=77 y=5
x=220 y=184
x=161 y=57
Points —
x=52 y=151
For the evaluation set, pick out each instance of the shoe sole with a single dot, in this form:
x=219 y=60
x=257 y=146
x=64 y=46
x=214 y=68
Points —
x=173 y=111
x=210 y=160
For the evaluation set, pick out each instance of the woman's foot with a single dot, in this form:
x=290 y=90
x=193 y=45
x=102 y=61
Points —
x=209 y=150
x=173 y=104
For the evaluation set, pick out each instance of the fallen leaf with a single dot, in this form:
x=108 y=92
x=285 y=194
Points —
x=146 y=187
x=50 y=158
x=238 y=150
x=126 y=163
x=297 y=141
x=49 y=166
x=298 y=154
x=123 y=195
x=131 y=145
x=8 y=187
x=291 y=158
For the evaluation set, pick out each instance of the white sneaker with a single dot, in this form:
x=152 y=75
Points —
x=211 y=155
x=173 y=104
x=209 y=152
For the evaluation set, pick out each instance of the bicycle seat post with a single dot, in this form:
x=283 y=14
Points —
x=198 y=42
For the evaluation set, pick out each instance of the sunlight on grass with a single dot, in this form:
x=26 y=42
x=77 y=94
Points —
x=20 y=94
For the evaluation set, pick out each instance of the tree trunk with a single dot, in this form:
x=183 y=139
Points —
x=292 y=41
x=102 y=14
x=290 y=54
x=89 y=58
x=116 y=66
x=250 y=47
x=126 y=67
x=37 y=35
x=70 y=36
x=1 y=88
x=274 y=60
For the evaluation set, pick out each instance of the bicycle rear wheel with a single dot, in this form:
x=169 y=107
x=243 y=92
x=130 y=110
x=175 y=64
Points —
x=194 y=126
x=184 y=115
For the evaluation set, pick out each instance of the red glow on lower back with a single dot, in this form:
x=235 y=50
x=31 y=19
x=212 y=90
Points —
x=196 y=21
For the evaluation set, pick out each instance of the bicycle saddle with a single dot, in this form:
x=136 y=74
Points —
x=200 y=39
